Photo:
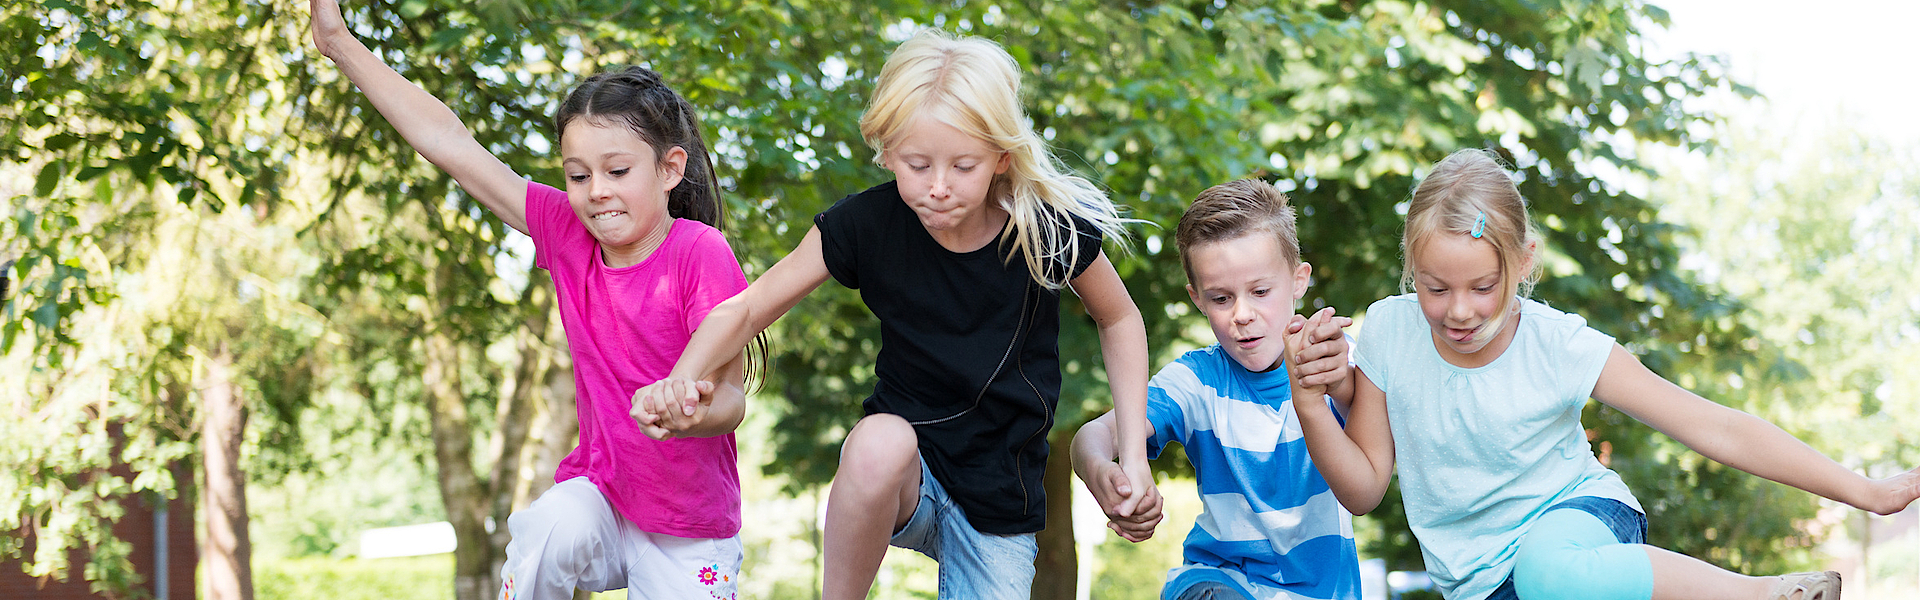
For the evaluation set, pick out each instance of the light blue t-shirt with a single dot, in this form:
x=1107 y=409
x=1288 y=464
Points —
x=1482 y=453
x=1271 y=529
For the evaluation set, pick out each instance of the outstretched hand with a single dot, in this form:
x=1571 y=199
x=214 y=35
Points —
x=1893 y=494
x=668 y=408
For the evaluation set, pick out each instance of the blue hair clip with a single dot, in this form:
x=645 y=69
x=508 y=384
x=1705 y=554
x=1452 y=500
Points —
x=1479 y=225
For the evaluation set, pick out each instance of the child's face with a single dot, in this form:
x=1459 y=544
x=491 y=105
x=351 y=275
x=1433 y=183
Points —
x=944 y=174
x=1457 y=279
x=616 y=185
x=1246 y=289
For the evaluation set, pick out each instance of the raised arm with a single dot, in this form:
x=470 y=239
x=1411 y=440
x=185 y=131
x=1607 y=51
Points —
x=1123 y=348
x=426 y=123
x=1741 y=440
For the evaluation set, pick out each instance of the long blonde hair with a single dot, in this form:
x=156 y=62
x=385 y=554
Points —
x=1470 y=190
x=973 y=85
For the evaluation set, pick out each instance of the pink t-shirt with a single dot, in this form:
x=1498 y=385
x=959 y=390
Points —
x=626 y=327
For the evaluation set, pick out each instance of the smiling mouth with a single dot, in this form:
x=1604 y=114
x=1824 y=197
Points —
x=1461 y=335
x=607 y=215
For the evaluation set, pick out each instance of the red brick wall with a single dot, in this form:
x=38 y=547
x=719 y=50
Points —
x=137 y=528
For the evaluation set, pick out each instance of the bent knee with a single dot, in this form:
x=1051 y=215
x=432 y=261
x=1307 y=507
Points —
x=881 y=445
x=567 y=518
x=881 y=441
x=1555 y=567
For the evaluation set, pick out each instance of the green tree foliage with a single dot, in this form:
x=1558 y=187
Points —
x=1815 y=231
x=220 y=104
x=137 y=125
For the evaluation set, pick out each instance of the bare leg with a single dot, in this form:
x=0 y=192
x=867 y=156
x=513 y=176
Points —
x=1680 y=577
x=874 y=493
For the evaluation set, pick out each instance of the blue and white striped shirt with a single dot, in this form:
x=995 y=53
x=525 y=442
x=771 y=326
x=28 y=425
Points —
x=1272 y=529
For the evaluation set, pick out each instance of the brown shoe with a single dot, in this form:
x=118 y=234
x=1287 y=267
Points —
x=1823 y=585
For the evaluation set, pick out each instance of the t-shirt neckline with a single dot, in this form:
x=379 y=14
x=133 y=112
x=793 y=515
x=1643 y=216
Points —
x=600 y=250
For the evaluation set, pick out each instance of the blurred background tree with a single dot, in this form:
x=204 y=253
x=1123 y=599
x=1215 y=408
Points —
x=383 y=307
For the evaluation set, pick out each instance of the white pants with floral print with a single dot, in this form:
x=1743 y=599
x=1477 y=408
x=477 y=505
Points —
x=570 y=537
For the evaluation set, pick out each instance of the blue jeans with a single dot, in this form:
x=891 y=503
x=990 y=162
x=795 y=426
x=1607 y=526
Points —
x=972 y=564
x=1210 y=590
x=1628 y=526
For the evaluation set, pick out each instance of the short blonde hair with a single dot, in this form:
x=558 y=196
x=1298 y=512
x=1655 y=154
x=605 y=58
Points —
x=973 y=85
x=1470 y=190
x=1233 y=209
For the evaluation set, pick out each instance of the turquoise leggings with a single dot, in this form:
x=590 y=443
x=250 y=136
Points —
x=1585 y=547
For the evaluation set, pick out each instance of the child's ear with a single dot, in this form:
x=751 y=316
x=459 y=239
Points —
x=1006 y=162
x=673 y=166
x=1302 y=275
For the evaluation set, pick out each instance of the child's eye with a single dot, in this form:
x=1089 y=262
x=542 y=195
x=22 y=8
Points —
x=917 y=168
x=1436 y=290
x=965 y=169
x=577 y=177
x=619 y=172
x=1219 y=299
x=1483 y=289
x=1260 y=292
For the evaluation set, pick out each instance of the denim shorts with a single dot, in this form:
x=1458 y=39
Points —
x=972 y=564
x=1628 y=525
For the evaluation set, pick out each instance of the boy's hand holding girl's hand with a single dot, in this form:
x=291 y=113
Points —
x=1132 y=510
x=1316 y=355
x=667 y=408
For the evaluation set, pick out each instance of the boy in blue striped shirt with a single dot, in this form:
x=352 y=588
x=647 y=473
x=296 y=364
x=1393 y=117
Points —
x=1271 y=528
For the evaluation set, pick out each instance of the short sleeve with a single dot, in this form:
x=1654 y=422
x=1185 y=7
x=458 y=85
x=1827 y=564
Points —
x=550 y=222
x=1371 y=351
x=1166 y=422
x=1587 y=351
x=713 y=275
x=1088 y=239
x=1166 y=417
x=839 y=243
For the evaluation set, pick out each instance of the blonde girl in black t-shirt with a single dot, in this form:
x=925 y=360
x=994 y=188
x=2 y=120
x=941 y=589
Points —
x=962 y=258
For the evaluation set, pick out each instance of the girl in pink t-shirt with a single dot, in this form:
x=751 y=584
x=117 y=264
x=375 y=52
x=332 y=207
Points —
x=637 y=262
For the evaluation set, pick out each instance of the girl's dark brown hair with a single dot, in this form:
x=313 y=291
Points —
x=637 y=98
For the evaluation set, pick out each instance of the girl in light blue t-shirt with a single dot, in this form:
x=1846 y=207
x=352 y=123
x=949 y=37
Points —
x=1482 y=391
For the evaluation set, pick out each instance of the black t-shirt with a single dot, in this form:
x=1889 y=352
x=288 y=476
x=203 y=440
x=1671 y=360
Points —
x=969 y=351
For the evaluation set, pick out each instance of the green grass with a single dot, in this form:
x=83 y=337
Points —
x=318 y=578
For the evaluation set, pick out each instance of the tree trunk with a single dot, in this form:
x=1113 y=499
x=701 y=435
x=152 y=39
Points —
x=560 y=430
x=227 y=550
x=1057 y=569
x=460 y=487
x=514 y=419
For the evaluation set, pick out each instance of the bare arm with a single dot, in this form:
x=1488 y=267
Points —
x=1741 y=440
x=734 y=322
x=427 y=124
x=1123 y=347
x=1356 y=461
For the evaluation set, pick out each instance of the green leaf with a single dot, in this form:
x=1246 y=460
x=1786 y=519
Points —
x=48 y=314
x=49 y=177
